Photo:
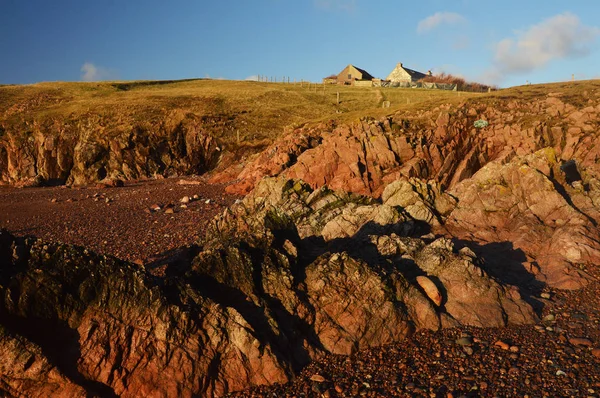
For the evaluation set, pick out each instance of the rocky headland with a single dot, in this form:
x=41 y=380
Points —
x=412 y=254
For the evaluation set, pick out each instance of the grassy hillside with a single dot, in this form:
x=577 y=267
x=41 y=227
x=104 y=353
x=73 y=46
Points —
x=84 y=132
x=259 y=111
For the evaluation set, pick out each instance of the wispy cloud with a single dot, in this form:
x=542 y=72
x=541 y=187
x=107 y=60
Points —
x=437 y=19
x=461 y=42
x=253 y=78
x=94 y=73
x=561 y=36
x=337 y=5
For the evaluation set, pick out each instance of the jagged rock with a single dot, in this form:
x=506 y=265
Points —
x=424 y=201
x=122 y=331
x=273 y=286
x=529 y=206
x=82 y=152
x=364 y=316
x=440 y=144
x=25 y=368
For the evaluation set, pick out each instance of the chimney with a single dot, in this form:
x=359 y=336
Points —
x=429 y=73
x=400 y=64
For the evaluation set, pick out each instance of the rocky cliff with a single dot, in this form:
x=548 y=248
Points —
x=86 y=151
x=441 y=144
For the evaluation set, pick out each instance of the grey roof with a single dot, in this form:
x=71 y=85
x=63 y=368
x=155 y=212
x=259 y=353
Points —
x=415 y=74
x=365 y=75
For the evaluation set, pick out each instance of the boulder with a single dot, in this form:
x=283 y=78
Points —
x=528 y=205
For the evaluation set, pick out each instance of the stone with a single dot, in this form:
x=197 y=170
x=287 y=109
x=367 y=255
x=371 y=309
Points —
x=581 y=341
x=465 y=341
x=550 y=318
x=185 y=200
x=430 y=289
x=317 y=378
x=501 y=344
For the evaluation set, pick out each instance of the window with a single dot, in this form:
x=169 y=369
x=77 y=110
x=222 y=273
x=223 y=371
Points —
x=349 y=76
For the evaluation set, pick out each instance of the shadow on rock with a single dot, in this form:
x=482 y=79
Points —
x=508 y=265
x=60 y=344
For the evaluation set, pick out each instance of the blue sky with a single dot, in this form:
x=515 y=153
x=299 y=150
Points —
x=505 y=43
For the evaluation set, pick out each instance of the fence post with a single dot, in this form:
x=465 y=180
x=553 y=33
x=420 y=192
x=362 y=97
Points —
x=338 y=97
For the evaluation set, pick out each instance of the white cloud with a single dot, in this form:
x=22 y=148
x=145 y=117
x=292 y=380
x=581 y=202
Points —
x=337 y=5
x=94 y=73
x=559 y=37
x=437 y=19
x=253 y=78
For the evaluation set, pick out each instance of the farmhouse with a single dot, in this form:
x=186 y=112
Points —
x=350 y=75
x=400 y=74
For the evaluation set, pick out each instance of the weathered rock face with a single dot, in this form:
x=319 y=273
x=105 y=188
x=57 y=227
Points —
x=284 y=276
x=441 y=144
x=89 y=152
x=424 y=201
x=27 y=371
x=545 y=224
x=112 y=329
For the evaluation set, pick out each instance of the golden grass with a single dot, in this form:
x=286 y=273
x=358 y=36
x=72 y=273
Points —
x=258 y=111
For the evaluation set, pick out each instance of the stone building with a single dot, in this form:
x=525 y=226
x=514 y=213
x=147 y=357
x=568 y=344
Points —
x=400 y=74
x=352 y=74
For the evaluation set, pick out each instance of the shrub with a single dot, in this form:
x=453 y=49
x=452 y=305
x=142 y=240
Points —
x=462 y=84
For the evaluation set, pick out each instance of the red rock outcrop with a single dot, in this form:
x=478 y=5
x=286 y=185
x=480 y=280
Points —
x=441 y=144
x=284 y=276
x=528 y=205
